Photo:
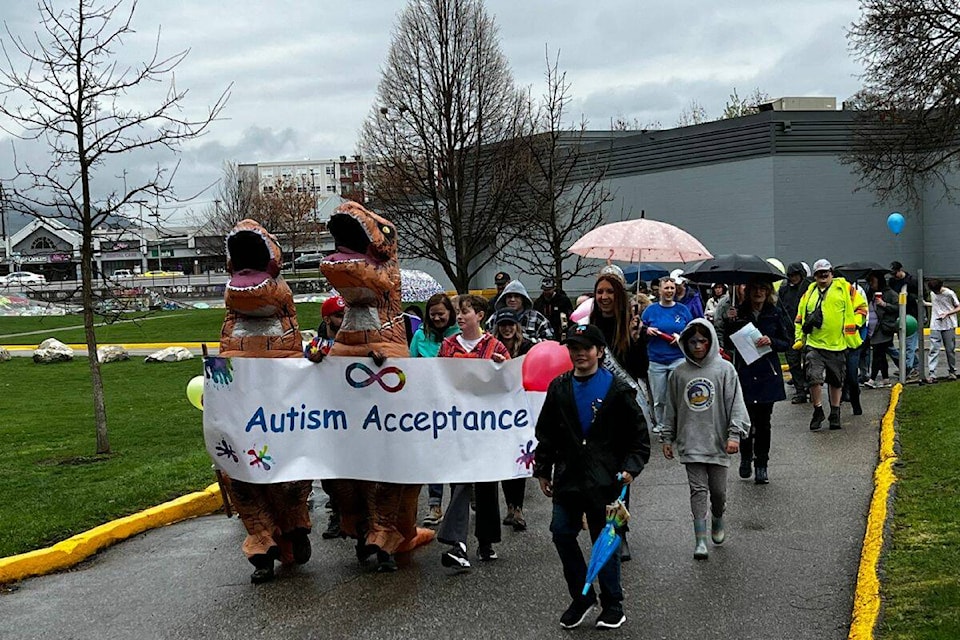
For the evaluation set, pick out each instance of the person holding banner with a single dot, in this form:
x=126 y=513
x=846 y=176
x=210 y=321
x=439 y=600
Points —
x=441 y=323
x=508 y=331
x=331 y=317
x=471 y=342
x=591 y=438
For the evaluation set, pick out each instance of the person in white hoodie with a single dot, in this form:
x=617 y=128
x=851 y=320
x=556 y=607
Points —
x=704 y=418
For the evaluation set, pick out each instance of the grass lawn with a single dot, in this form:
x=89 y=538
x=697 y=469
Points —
x=921 y=568
x=184 y=325
x=53 y=486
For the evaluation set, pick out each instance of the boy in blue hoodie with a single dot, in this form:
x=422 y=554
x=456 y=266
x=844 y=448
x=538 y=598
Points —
x=703 y=420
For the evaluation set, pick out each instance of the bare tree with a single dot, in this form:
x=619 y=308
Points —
x=234 y=200
x=693 y=113
x=737 y=107
x=438 y=141
x=74 y=96
x=563 y=192
x=907 y=134
x=287 y=208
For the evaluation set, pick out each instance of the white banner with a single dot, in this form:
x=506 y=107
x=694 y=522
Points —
x=411 y=421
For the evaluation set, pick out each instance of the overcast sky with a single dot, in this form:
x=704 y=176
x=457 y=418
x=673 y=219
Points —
x=305 y=73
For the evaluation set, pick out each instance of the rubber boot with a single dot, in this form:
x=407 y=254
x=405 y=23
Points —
x=717 y=534
x=700 y=530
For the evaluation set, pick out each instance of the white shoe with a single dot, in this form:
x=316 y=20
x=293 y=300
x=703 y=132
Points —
x=870 y=384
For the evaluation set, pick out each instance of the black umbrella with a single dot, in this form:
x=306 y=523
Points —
x=733 y=268
x=860 y=269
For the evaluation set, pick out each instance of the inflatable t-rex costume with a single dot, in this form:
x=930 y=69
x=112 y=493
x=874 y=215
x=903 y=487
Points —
x=364 y=269
x=261 y=322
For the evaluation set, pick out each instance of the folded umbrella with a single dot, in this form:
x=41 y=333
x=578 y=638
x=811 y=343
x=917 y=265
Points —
x=608 y=541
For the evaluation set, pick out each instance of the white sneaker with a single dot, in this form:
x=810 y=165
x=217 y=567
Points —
x=870 y=384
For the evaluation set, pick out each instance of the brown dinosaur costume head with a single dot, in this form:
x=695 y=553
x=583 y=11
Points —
x=365 y=271
x=261 y=318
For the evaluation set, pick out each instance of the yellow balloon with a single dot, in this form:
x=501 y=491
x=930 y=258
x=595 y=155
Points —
x=195 y=392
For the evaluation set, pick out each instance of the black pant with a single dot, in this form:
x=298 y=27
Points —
x=514 y=490
x=851 y=385
x=757 y=446
x=879 y=364
x=795 y=362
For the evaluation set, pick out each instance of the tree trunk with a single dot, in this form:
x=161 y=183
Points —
x=96 y=379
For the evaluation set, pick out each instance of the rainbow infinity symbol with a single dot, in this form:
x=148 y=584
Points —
x=376 y=377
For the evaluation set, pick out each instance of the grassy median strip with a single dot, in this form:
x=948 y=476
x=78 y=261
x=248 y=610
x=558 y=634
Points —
x=921 y=579
x=54 y=486
x=181 y=325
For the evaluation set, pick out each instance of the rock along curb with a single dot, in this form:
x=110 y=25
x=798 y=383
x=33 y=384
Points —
x=866 y=598
x=71 y=551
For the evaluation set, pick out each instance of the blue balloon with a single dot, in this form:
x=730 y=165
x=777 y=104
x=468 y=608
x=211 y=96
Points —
x=895 y=222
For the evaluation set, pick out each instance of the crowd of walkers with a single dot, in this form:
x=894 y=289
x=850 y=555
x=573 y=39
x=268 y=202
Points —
x=662 y=361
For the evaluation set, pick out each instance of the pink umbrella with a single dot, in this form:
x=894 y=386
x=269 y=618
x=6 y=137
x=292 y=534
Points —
x=640 y=241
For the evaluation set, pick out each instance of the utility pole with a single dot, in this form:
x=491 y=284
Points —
x=3 y=224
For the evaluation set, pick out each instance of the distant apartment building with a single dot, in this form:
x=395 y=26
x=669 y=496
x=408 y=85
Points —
x=342 y=177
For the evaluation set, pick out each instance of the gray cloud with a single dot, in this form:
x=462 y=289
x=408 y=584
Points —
x=305 y=74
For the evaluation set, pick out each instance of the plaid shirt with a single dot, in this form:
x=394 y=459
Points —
x=534 y=325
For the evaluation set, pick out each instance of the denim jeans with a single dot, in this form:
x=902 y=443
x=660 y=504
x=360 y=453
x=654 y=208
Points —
x=658 y=374
x=945 y=340
x=565 y=525
x=434 y=495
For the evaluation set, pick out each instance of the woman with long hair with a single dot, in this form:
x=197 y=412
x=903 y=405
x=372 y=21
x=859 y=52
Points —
x=440 y=323
x=613 y=315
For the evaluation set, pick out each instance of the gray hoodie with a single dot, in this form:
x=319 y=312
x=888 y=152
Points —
x=705 y=405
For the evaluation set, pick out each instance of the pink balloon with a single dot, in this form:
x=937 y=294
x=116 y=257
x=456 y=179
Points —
x=582 y=311
x=544 y=362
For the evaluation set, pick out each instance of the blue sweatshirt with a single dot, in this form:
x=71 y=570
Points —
x=669 y=320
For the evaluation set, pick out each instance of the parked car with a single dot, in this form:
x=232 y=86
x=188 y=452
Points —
x=306 y=261
x=23 y=278
x=122 y=273
x=161 y=274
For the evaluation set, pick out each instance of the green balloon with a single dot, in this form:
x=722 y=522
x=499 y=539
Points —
x=911 y=325
x=195 y=392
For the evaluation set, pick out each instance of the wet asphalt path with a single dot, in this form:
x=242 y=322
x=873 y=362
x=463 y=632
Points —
x=787 y=570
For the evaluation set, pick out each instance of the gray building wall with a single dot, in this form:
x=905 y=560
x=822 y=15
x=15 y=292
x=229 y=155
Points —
x=770 y=184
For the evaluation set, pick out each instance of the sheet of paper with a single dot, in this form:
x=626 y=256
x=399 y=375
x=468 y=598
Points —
x=745 y=340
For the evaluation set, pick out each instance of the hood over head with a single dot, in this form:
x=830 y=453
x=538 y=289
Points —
x=712 y=353
x=514 y=286
x=796 y=267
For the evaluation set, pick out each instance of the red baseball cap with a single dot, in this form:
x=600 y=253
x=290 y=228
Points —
x=332 y=305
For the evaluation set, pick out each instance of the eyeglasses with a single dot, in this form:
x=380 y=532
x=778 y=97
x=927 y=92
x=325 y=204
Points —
x=821 y=274
x=693 y=342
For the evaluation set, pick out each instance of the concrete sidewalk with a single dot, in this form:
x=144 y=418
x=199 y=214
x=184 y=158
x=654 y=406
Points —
x=787 y=570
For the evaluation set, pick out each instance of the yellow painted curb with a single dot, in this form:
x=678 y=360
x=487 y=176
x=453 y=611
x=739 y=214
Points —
x=69 y=552
x=866 y=598
x=213 y=344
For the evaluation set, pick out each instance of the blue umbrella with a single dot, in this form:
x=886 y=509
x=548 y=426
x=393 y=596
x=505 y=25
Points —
x=643 y=270
x=608 y=541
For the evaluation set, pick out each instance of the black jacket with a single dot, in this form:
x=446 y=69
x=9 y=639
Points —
x=552 y=309
x=585 y=469
x=762 y=380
